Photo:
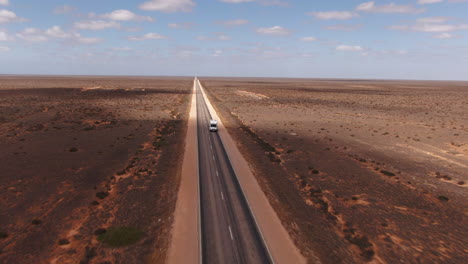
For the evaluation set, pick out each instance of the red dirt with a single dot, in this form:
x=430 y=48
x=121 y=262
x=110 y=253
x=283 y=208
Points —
x=358 y=171
x=76 y=159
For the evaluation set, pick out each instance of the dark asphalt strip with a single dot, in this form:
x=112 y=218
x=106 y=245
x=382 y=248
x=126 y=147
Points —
x=244 y=244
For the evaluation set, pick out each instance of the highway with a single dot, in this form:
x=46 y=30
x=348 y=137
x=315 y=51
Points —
x=229 y=233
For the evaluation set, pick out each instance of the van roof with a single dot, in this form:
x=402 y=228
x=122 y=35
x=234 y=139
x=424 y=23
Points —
x=214 y=122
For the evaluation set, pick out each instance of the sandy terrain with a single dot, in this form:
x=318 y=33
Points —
x=85 y=155
x=358 y=171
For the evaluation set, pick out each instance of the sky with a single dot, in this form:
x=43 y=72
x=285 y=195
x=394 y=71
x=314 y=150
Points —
x=400 y=39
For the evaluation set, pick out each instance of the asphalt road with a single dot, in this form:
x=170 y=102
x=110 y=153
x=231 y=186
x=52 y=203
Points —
x=229 y=233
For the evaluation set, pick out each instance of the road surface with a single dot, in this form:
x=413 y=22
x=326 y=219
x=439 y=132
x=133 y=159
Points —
x=229 y=233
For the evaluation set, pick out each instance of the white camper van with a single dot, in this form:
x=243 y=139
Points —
x=213 y=126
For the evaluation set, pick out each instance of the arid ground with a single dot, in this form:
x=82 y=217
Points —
x=358 y=171
x=89 y=165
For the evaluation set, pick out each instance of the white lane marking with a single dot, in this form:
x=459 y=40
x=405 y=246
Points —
x=213 y=157
x=217 y=174
x=211 y=146
x=230 y=232
x=222 y=196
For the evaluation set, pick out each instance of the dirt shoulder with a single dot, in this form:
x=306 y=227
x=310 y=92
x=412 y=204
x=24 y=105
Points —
x=358 y=171
x=88 y=157
x=185 y=242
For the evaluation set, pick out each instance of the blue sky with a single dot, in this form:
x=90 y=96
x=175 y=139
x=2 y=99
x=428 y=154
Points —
x=400 y=39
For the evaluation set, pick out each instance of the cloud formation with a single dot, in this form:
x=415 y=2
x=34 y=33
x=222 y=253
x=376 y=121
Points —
x=308 y=39
x=185 y=25
x=32 y=35
x=4 y=36
x=431 y=25
x=7 y=16
x=96 y=24
x=328 y=15
x=275 y=30
x=371 y=7
x=37 y=35
x=147 y=36
x=236 y=1
x=168 y=6
x=423 y=2
x=235 y=22
x=126 y=15
x=349 y=48
x=64 y=9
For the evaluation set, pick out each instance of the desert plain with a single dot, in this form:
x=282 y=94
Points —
x=359 y=171
x=85 y=156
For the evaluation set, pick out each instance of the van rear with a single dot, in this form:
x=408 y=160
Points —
x=213 y=126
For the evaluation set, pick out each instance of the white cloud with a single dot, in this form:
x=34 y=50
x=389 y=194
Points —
x=37 y=35
x=444 y=35
x=433 y=19
x=236 y=1
x=57 y=32
x=308 y=39
x=217 y=53
x=32 y=35
x=7 y=16
x=4 y=36
x=64 y=9
x=4 y=2
x=273 y=3
x=147 y=36
x=168 y=6
x=235 y=22
x=371 y=7
x=96 y=24
x=344 y=27
x=340 y=15
x=4 y=49
x=185 y=25
x=219 y=36
x=349 y=48
x=126 y=15
x=433 y=27
x=262 y=2
x=83 y=40
x=423 y=2
x=276 y=30
x=123 y=49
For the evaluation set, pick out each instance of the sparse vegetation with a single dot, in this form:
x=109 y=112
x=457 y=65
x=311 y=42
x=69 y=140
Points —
x=73 y=149
x=3 y=235
x=63 y=241
x=100 y=231
x=121 y=236
x=36 y=222
x=387 y=173
x=102 y=195
x=443 y=198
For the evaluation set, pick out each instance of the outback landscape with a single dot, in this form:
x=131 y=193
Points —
x=89 y=167
x=358 y=171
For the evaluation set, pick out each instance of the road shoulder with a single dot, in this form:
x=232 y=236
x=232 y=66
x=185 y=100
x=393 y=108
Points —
x=185 y=243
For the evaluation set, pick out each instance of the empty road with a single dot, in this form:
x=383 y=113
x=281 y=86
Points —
x=229 y=233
